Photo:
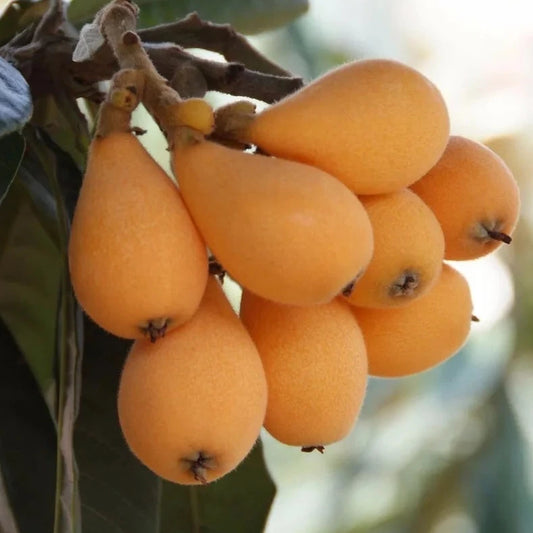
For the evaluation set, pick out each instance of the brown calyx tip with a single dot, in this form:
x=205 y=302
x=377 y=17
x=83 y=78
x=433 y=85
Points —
x=309 y=449
x=347 y=291
x=499 y=236
x=405 y=285
x=475 y=318
x=138 y=131
x=216 y=269
x=156 y=329
x=200 y=466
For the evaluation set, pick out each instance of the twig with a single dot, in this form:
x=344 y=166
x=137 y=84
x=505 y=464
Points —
x=122 y=98
x=229 y=78
x=45 y=59
x=118 y=21
x=193 y=32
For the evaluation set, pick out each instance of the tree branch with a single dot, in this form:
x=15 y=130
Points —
x=43 y=53
x=193 y=32
x=230 y=78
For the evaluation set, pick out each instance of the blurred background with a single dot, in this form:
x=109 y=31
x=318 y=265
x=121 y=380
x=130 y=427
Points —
x=450 y=450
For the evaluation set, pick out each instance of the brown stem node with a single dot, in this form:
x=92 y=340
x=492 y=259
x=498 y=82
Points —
x=130 y=38
x=499 y=236
x=123 y=97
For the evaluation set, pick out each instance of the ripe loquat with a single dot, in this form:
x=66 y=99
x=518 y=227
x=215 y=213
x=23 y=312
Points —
x=316 y=369
x=137 y=262
x=376 y=124
x=191 y=406
x=286 y=231
x=406 y=340
x=408 y=250
x=474 y=196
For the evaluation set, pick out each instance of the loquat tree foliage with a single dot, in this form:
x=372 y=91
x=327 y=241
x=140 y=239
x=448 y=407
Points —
x=133 y=394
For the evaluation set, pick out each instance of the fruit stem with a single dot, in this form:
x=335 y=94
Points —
x=475 y=318
x=232 y=122
x=499 y=236
x=118 y=23
x=309 y=449
x=122 y=98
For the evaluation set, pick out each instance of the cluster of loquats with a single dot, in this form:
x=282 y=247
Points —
x=337 y=228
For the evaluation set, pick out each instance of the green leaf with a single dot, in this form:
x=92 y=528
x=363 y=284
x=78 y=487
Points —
x=54 y=164
x=30 y=271
x=37 y=303
x=15 y=99
x=12 y=149
x=245 y=16
x=62 y=121
x=27 y=443
x=19 y=14
x=119 y=494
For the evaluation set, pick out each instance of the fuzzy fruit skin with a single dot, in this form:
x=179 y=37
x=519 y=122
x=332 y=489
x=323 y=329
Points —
x=410 y=339
x=469 y=187
x=377 y=125
x=407 y=238
x=286 y=231
x=316 y=368
x=201 y=388
x=134 y=252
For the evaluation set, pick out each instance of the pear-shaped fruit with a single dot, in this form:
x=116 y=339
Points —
x=316 y=368
x=377 y=125
x=191 y=406
x=410 y=339
x=286 y=231
x=137 y=262
x=408 y=250
x=474 y=196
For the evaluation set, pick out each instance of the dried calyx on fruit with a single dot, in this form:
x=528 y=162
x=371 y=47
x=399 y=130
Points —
x=415 y=337
x=474 y=196
x=191 y=406
x=408 y=251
